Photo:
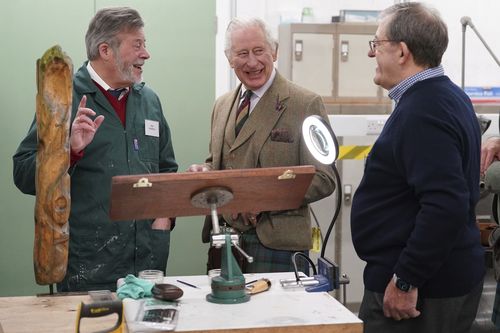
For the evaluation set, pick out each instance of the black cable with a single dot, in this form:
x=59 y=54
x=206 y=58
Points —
x=337 y=209
x=294 y=262
x=330 y=227
x=494 y=207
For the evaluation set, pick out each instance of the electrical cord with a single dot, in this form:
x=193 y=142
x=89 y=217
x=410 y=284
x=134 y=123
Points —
x=337 y=209
x=330 y=227
x=294 y=261
x=318 y=136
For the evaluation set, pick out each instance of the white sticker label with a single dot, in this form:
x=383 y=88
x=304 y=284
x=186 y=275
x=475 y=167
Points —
x=152 y=128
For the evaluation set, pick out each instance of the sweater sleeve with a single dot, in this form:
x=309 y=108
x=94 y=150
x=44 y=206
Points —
x=24 y=160
x=431 y=154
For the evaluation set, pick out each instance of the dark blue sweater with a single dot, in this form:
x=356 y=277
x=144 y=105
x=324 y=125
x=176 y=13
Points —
x=413 y=213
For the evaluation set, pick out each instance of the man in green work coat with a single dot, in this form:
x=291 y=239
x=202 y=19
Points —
x=118 y=128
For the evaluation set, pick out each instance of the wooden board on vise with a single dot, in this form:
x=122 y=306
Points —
x=170 y=195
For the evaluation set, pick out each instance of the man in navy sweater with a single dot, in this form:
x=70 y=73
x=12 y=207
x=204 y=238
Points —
x=413 y=218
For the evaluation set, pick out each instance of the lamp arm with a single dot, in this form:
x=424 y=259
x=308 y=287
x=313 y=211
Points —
x=337 y=209
x=466 y=21
x=462 y=85
x=484 y=43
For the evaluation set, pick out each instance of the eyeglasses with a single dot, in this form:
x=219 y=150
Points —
x=373 y=43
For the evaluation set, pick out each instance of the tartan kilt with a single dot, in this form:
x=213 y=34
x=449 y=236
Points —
x=265 y=260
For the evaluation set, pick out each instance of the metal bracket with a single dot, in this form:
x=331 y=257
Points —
x=143 y=182
x=288 y=174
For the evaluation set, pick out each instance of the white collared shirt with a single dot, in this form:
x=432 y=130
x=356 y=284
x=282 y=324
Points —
x=94 y=76
x=257 y=94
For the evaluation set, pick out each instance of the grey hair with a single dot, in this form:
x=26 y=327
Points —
x=237 y=24
x=107 y=24
x=421 y=28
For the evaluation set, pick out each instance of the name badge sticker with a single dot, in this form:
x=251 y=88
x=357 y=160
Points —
x=152 y=128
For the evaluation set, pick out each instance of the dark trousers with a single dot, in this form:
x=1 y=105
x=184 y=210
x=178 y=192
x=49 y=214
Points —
x=437 y=315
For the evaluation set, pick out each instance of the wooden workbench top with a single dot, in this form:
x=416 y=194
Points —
x=274 y=311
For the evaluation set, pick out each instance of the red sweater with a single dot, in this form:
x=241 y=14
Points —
x=120 y=107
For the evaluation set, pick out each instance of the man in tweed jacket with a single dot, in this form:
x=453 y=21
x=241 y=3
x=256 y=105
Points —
x=270 y=137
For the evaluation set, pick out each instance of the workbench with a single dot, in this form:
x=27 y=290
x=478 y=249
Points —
x=276 y=310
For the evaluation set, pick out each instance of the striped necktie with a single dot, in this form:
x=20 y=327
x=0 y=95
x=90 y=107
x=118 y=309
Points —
x=243 y=111
x=116 y=92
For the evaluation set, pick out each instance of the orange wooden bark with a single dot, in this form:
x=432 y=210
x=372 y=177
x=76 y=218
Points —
x=52 y=207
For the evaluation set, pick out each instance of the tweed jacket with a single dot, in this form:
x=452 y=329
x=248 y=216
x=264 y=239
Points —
x=271 y=137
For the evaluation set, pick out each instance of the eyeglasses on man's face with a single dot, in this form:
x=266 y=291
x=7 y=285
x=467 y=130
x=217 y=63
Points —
x=376 y=42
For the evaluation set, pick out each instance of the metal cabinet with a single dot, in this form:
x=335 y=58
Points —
x=332 y=60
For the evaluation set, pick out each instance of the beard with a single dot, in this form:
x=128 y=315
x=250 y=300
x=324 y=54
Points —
x=126 y=71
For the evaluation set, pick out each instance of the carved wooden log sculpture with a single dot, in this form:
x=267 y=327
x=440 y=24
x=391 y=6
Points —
x=52 y=207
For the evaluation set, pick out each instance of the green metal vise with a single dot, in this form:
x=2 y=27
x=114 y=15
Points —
x=229 y=287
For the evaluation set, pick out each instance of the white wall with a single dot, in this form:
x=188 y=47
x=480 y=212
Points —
x=480 y=70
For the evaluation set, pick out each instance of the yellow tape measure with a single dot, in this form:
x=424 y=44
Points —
x=100 y=309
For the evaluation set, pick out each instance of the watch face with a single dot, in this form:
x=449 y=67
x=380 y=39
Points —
x=402 y=285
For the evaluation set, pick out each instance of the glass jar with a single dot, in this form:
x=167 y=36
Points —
x=152 y=275
x=213 y=273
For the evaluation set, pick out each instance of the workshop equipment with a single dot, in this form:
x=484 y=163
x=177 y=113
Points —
x=322 y=144
x=212 y=193
x=258 y=286
x=101 y=309
x=330 y=60
x=229 y=286
x=166 y=292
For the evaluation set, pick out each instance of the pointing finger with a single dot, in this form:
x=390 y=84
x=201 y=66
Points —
x=83 y=101
x=98 y=121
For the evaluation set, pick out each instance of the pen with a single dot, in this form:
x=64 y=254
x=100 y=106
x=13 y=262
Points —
x=188 y=284
x=250 y=282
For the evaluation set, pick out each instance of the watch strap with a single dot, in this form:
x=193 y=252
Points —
x=401 y=284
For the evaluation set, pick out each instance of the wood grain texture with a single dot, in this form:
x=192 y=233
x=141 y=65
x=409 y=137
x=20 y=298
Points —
x=52 y=207
x=58 y=314
x=170 y=194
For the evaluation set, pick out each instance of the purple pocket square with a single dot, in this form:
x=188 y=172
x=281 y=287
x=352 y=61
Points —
x=281 y=135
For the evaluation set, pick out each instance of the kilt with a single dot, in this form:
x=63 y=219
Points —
x=265 y=260
x=269 y=260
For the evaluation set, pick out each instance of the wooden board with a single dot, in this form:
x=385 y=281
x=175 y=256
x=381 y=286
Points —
x=170 y=194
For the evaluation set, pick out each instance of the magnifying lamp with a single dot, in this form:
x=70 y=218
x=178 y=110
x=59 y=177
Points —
x=320 y=140
x=323 y=146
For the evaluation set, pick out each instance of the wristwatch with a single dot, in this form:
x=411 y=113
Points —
x=401 y=284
